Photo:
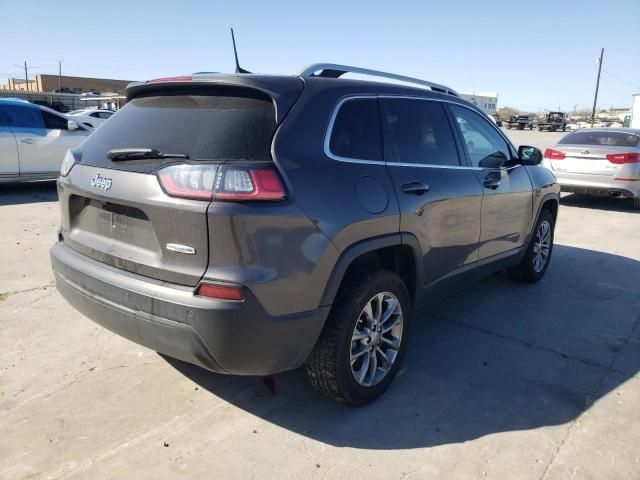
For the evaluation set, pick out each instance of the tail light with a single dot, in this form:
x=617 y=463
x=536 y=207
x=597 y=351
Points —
x=224 y=182
x=553 y=154
x=221 y=292
x=620 y=158
x=70 y=159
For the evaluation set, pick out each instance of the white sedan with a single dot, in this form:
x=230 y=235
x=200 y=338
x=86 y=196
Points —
x=34 y=140
x=91 y=117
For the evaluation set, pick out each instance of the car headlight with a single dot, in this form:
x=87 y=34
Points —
x=69 y=161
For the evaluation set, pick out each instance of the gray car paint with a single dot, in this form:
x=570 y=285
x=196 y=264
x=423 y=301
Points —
x=291 y=256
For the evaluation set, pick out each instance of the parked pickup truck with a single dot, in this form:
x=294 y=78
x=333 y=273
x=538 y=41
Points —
x=520 y=122
x=553 y=121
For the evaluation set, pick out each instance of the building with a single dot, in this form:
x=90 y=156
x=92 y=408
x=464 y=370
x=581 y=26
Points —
x=47 y=83
x=485 y=101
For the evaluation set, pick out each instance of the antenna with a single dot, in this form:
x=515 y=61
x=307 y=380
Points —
x=239 y=69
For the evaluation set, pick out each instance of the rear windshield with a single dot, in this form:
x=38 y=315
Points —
x=612 y=139
x=218 y=125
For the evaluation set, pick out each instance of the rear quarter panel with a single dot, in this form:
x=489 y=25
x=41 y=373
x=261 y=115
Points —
x=299 y=246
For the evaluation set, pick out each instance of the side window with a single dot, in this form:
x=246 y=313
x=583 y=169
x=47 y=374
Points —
x=104 y=115
x=4 y=117
x=486 y=148
x=24 y=117
x=356 y=130
x=420 y=132
x=54 y=122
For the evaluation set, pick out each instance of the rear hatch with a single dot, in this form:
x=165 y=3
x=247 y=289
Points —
x=585 y=152
x=116 y=211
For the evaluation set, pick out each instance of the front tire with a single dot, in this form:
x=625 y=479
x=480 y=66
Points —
x=534 y=264
x=361 y=347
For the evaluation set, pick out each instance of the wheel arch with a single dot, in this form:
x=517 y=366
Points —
x=396 y=252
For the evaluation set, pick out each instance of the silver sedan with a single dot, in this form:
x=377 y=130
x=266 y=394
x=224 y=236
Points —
x=603 y=162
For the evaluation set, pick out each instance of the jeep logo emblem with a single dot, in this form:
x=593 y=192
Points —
x=101 y=182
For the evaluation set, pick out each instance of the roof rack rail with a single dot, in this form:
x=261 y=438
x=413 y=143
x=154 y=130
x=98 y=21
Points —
x=332 y=70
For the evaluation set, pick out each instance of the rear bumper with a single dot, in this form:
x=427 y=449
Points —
x=599 y=185
x=226 y=337
x=599 y=191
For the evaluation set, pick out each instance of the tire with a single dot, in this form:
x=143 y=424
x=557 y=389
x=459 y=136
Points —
x=528 y=271
x=329 y=365
x=636 y=203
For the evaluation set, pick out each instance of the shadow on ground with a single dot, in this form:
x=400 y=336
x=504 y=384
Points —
x=499 y=356
x=599 y=203
x=28 y=192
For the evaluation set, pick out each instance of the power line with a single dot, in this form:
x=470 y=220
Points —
x=620 y=79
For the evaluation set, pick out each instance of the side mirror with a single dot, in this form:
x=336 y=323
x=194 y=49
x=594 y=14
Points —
x=529 y=155
x=72 y=125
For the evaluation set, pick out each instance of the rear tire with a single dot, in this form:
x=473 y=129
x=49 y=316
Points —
x=636 y=203
x=351 y=337
x=534 y=264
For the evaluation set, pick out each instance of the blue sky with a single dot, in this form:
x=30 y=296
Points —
x=502 y=46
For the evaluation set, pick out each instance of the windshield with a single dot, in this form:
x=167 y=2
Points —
x=612 y=139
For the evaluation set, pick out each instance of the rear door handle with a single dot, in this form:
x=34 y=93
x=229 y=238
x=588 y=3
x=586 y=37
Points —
x=28 y=141
x=491 y=181
x=415 y=188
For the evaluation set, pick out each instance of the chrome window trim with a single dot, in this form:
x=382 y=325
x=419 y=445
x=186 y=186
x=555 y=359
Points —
x=343 y=100
x=329 y=131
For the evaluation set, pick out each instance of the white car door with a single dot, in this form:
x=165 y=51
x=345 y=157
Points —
x=43 y=139
x=9 y=165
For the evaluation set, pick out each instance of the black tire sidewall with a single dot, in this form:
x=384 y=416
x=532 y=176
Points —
x=382 y=281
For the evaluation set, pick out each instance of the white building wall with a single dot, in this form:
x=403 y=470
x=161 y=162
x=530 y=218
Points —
x=635 y=111
x=485 y=101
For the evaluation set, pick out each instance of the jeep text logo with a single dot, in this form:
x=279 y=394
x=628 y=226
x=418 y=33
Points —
x=100 y=182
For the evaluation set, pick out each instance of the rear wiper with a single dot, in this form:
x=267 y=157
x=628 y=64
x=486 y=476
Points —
x=120 y=154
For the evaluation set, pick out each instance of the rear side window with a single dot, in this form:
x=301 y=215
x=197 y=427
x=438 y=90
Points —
x=356 y=130
x=420 y=132
x=213 y=124
x=612 y=139
x=24 y=117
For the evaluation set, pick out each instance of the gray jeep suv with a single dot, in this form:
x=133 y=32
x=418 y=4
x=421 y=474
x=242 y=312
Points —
x=252 y=224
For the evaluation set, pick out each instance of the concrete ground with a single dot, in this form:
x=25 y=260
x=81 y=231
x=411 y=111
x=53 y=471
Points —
x=500 y=381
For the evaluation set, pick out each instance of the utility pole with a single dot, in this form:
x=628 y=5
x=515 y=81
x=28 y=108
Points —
x=26 y=76
x=59 y=74
x=595 y=97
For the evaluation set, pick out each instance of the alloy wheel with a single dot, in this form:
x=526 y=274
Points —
x=376 y=339
x=541 y=246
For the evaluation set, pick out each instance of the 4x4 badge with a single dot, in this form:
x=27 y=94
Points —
x=101 y=182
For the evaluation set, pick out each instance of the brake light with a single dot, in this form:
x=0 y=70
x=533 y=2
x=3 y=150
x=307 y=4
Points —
x=221 y=292
x=553 y=154
x=170 y=79
x=188 y=181
x=224 y=182
x=620 y=158
x=237 y=183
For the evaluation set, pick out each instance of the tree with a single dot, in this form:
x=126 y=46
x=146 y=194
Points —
x=506 y=112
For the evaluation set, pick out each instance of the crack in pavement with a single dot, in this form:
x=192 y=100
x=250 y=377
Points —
x=589 y=397
x=585 y=361
x=5 y=295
